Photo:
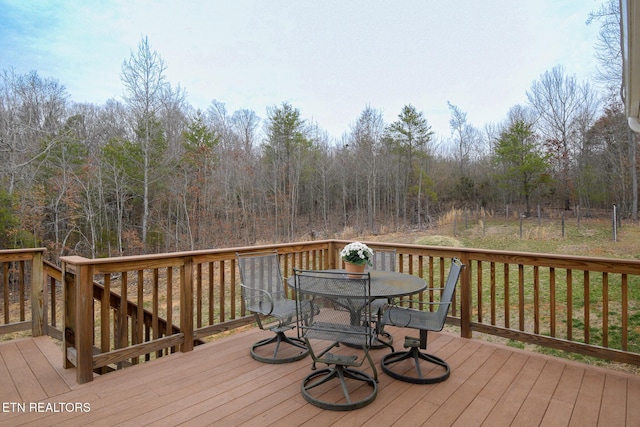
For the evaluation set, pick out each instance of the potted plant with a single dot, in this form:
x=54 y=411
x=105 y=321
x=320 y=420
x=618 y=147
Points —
x=356 y=257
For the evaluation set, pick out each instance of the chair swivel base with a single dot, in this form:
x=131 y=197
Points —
x=319 y=377
x=414 y=353
x=382 y=340
x=278 y=339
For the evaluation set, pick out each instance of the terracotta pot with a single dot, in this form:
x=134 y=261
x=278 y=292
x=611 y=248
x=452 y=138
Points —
x=354 y=268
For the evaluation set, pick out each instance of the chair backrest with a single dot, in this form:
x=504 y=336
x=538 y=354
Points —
x=449 y=289
x=260 y=274
x=341 y=306
x=384 y=259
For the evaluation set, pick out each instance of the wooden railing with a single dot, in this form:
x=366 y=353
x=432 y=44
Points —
x=22 y=291
x=30 y=294
x=159 y=304
x=162 y=303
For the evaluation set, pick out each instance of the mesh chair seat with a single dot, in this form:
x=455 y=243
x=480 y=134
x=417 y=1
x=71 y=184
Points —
x=264 y=295
x=394 y=364
x=283 y=310
x=341 y=315
x=353 y=335
x=413 y=319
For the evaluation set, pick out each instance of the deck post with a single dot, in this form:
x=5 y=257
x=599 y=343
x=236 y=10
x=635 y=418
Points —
x=465 y=297
x=331 y=256
x=37 y=294
x=186 y=304
x=84 y=323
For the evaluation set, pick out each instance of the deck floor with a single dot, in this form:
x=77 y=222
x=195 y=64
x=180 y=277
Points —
x=220 y=384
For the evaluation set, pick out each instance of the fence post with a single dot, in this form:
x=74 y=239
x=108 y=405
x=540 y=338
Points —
x=615 y=223
x=521 y=220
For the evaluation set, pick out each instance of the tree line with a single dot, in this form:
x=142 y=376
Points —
x=150 y=173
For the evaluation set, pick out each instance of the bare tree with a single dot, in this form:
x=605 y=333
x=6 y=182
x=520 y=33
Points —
x=609 y=57
x=245 y=123
x=465 y=137
x=557 y=100
x=365 y=140
x=143 y=76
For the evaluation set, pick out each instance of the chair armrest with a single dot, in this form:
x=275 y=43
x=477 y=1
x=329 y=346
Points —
x=258 y=300
x=402 y=316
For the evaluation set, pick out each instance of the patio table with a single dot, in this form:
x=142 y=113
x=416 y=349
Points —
x=384 y=284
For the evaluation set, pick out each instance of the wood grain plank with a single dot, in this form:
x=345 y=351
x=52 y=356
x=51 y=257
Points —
x=558 y=414
x=53 y=353
x=8 y=391
x=479 y=407
x=633 y=397
x=535 y=406
x=50 y=381
x=474 y=373
x=589 y=400
x=26 y=383
x=614 y=402
x=509 y=404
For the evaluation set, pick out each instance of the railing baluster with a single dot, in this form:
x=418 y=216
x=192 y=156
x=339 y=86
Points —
x=587 y=308
x=169 y=319
x=212 y=309
x=493 y=293
x=5 y=289
x=454 y=298
x=521 y=296
x=507 y=284
x=105 y=317
x=140 y=312
x=625 y=311
x=53 y=321
x=536 y=300
x=605 y=309
x=569 y=304
x=155 y=310
x=222 y=294
x=122 y=335
x=552 y=301
x=479 y=292
x=199 y=295
x=21 y=287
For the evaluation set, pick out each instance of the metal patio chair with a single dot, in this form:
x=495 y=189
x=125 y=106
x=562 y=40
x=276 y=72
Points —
x=264 y=295
x=424 y=321
x=340 y=304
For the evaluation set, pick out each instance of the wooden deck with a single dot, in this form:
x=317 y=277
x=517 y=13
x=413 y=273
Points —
x=219 y=384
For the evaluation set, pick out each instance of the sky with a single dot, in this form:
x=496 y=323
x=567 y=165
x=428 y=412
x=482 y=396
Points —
x=330 y=59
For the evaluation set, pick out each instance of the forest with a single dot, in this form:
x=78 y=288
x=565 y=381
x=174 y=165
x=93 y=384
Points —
x=149 y=173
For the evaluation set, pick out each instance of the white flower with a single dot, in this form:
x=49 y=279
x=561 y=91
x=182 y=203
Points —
x=357 y=253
